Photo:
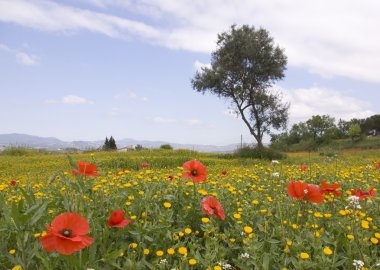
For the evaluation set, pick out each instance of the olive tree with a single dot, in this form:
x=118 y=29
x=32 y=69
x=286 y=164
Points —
x=243 y=70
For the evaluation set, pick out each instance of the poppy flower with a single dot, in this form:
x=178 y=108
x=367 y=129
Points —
x=195 y=170
x=326 y=189
x=363 y=194
x=85 y=168
x=224 y=172
x=303 y=168
x=378 y=166
x=67 y=234
x=211 y=206
x=117 y=219
x=303 y=191
x=12 y=183
x=144 y=164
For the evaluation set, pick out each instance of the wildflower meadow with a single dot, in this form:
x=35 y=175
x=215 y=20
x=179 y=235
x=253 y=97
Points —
x=178 y=209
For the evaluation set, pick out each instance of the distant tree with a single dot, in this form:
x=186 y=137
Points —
x=139 y=147
x=243 y=69
x=106 y=144
x=344 y=126
x=298 y=132
x=112 y=144
x=166 y=146
x=355 y=132
x=109 y=144
x=371 y=123
x=318 y=125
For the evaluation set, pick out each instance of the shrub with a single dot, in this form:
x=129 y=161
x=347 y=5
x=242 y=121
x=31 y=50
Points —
x=259 y=153
x=16 y=151
x=166 y=147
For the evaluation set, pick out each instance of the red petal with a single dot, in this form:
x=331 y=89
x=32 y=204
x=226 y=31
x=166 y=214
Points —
x=49 y=242
x=297 y=190
x=72 y=221
x=67 y=247
x=123 y=223
x=314 y=195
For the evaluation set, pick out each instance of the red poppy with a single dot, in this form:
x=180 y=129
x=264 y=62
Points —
x=302 y=191
x=303 y=167
x=363 y=194
x=85 y=168
x=224 y=172
x=378 y=165
x=211 y=206
x=117 y=219
x=326 y=189
x=195 y=170
x=13 y=183
x=171 y=177
x=144 y=164
x=67 y=234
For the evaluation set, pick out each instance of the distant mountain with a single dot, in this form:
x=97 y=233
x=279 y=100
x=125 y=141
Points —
x=51 y=143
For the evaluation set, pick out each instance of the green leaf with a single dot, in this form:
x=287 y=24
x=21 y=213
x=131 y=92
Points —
x=340 y=262
x=148 y=238
x=72 y=163
x=38 y=214
x=273 y=241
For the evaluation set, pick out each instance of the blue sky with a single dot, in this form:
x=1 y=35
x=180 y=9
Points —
x=87 y=69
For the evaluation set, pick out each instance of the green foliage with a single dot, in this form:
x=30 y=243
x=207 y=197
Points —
x=16 y=151
x=112 y=144
x=282 y=227
x=139 y=147
x=259 y=153
x=370 y=123
x=355 y=132
x=166 y=147
x=106 y=144
x=109 y=144
x=320 y=131
x=243 y=69
x=318 y=126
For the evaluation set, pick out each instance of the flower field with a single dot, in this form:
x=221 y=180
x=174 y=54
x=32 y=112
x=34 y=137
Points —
x=186 y=210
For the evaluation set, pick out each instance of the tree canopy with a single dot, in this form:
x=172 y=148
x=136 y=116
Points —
x=321 y=129
x=243 y=70
x=109 y=144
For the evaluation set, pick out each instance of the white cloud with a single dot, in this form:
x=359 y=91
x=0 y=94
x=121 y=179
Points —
x=231 y=113
x=5 y=48
x=132 y=96
x=199 y=65
x=22 y=58
x=305 y=103
x=193 y=122
x=162 y=120
x=331 y=38
x=26 y=59
x=115 y=112
x=50 y=101
x=50 y=16
x=75 y=100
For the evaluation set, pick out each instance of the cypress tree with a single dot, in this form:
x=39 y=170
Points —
x=112 y=144
x=106 y=144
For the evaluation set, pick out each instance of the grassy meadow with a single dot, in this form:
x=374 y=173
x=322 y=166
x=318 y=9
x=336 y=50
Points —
x=264 y=227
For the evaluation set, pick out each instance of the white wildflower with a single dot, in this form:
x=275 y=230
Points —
x=244 y=255
x=353 y=202
x=163 y=261
x=358 y=264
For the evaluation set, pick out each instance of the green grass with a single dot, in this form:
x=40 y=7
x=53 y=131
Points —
x=252 y=196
